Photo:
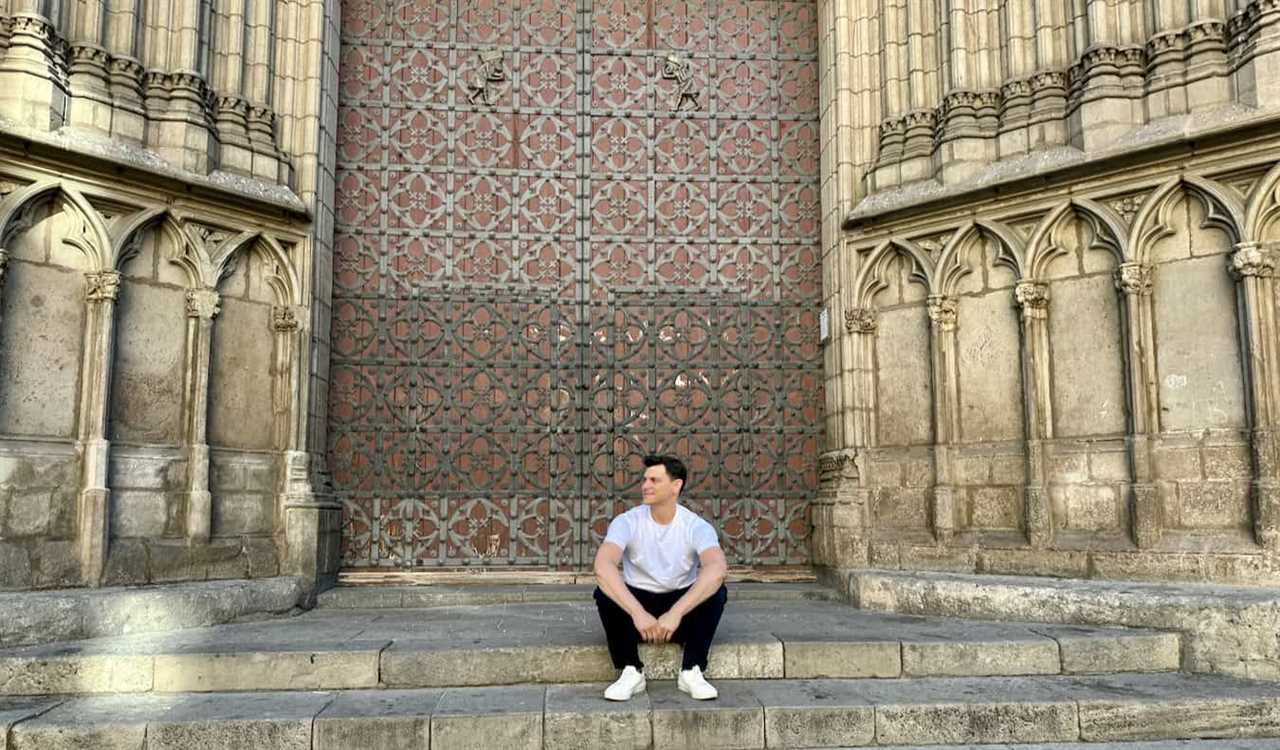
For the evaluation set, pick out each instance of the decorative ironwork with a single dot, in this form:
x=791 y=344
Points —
x=537 y=283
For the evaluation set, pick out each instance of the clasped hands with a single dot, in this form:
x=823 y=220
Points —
x=656 y=629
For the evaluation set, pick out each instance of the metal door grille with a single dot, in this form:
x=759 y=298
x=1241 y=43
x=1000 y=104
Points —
x=544 y=270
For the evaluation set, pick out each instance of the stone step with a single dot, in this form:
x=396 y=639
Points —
x=1268 y=744
x=748 y=714
x=416 y=597
x=563 y=643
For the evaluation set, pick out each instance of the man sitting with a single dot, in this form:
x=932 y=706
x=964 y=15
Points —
x=671 y=587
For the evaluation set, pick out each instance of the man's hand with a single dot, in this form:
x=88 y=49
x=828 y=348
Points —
x=646 y=625
x=667 y=625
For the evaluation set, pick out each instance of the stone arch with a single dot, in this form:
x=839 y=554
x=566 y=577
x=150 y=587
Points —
x=94 y=239
x=871 y=279
x=1108 y=234
x=1263 y=207
x=283 y=280
x=1222 y=210
x=1009 y=254
x=127 y=234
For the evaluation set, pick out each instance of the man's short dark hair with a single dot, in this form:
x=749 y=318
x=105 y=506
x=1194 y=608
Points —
x=674 y=466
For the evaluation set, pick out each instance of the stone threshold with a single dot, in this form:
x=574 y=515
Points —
x=1225 y=629
x=480 y=577
x=35 y=617
x=479 y=593
x=748 y=714
x=561 y=643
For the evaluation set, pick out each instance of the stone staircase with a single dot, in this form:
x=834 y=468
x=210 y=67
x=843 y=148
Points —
x=509 y=668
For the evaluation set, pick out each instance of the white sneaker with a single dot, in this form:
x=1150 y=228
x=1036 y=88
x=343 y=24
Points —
x=627 y=685
x=692 y=682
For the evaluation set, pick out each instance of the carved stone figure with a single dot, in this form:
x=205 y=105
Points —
x=679 y=70
x=492 y=70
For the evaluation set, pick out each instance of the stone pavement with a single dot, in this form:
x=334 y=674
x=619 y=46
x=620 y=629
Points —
x=794 y=669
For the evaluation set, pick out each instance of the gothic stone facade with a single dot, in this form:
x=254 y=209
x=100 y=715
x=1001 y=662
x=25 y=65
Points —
x=1046 y=245
x=1050 y=256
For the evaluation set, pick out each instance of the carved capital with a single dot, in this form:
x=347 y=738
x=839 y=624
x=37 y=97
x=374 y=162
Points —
x=1134 y=278
x=102 y=286
x=203 y=303
x=942 y=311
x=1033 y=298
x=838 y=465
x=1251 y=260
x=860 y=320
x=284 y=318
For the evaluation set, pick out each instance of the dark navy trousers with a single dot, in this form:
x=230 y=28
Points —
x=697 y=628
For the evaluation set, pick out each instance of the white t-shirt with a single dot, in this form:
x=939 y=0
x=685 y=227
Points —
x=660 y=558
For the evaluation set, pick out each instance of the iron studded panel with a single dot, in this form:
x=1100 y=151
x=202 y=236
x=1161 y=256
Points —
x=538 y=283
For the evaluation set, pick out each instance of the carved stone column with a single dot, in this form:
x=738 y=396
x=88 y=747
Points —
x=1254 y=269
x=1146 y=506
x=202 y=307
x=840 y=512
x=860 y=386
x=1033 y=301
x=946 y=419
x=93 y=513
x=32 y=89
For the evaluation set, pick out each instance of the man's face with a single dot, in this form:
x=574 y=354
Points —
x=658 y=487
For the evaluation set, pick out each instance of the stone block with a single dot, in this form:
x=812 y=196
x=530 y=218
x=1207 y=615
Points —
x=139 y=514
x=1227 y=462
x=230 y=721
x=126 y=563
x=983 y=723
x=101 y=723
x=1008 y=470
x=225 y=474
x=1178 y=463
x=815 y=714
x=261 y=557
x=946 y=658
x=1085 y=652
x=172 y=561
x=63 y=670
x=901 y=508
x=444 y=663
x=243 y=513
x=1109 y=466
x=807 y=659
x=1140 y=710
x=1065 y=564
x=377 y=720
x=485 y=718
x=16 y=710
x=41 y=371
x=55 y=565
x=577 y=718
x=143 y=472
x=1084 y=326
x=974 y=470
x=29 y=512
x=931 y=557
x=15 y=566
x=734 y=720
x=884 y=474
x=996 y=507
x=917 y=473
x=1092 y=507
x=269 y=666
x=1069 y=468
x=1209 y=505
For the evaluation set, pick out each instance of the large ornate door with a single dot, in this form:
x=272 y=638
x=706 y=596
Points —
x=568 y=234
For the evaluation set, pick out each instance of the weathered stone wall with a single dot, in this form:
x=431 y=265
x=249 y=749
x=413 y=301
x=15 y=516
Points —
x=1053 y=341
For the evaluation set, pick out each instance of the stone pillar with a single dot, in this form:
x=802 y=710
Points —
x=1105 y=95
x=202 y=307
x=1257 y=74
x=840 y=512
x=1146 y=505
x=311 y=522
x=32 y=81
x=89 y=78
x=946 y=419
x=93 y=516
x=129 y=118
x=1254 y=269
x=1033 y=301
x=860 y=341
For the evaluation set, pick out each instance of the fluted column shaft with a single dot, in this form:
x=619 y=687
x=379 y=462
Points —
x=1134 y=280
x=93 y=516
x=1033 y=302
x=202 y=308
x=946 y=418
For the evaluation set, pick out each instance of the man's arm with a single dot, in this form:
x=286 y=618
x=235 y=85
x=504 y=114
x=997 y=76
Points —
x=711 y=572
x=608 y=557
